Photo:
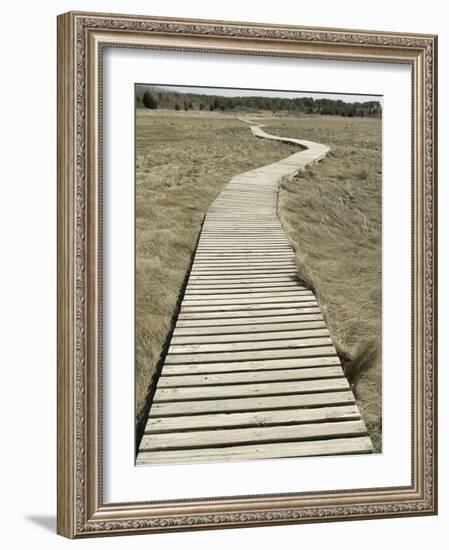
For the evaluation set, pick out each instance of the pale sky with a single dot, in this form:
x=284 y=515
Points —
x=229 y=92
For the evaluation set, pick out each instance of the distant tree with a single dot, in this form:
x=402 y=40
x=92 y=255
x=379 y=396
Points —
x=229 y=103
x=149 y=100
x=304 y=105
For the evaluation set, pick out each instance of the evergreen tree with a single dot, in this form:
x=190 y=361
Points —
x=149 y=100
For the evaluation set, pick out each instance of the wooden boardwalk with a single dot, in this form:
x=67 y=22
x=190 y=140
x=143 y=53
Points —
x=251 y=371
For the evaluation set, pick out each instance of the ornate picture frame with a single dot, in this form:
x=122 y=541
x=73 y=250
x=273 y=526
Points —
x=82 y=38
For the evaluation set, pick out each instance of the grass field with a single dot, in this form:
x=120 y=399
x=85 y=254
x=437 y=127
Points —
x=332 y=214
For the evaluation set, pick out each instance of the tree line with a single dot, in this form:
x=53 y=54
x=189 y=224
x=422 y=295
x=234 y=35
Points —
x=152 y=98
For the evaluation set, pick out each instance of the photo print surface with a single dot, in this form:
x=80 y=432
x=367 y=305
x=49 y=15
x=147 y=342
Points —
x=258 y=274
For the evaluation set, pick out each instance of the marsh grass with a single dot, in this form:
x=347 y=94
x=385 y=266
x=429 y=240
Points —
x=183 y=160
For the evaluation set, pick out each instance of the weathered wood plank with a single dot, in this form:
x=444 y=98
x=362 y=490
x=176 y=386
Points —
x=206 y=288
x=177 y=381
x=247 y=329
x=246 y=264
x=281 y=353
x=214 y=243
x=231 y=320
x=343 y=446
x=294 y=343
x=250 y=300
x=243 y=256
x=245 y=278
x=207 y=294
x=250 y=241
x=249 y=390
x=245 y=259
x=255 y=306
x=257 y=365
x=246 y=294
x=237 y=436
x=243 y=232
x=242 y=271
x=245 y=404
x=257 y=418
x=242 y=282
x=236 y=281
x=242 y=247
x=249 y=238
x=286 y=310
x=248 y=337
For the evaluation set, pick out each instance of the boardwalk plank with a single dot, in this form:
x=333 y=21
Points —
x=244 y=404
x=258 y=418
x=176 y=381
x=280 y=353
x=232 y=319
x=248 y=337
x=246 y=390
x=238 y=436
x=293 y=343
x=183 y=330
x=295 y=302
x=353 y=445
x=257 y=365
x=271 y=299
x=210 y=294
x=250 y=313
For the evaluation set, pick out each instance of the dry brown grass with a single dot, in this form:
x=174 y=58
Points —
x=183 y=161
x=332 y=213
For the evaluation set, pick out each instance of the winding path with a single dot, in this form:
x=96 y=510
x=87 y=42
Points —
x=251 y=371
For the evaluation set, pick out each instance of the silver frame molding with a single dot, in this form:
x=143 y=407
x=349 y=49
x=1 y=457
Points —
x=81 y=39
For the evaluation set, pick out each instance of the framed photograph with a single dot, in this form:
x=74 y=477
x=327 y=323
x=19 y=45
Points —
x=246 y=274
